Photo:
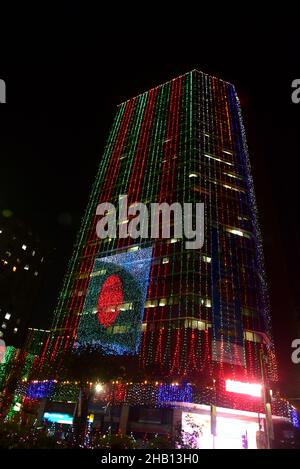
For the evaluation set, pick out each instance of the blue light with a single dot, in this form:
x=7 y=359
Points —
x=58 y=418
x=294 y=418
x=173 y=393
x=40 y=389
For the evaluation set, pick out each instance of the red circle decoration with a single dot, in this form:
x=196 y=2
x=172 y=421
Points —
x=109 y=300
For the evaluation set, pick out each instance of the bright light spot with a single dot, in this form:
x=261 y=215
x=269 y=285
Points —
x=24 y=247
x=207 y=259
x=236 y=232
x=252 y=389
x=7 y=316
x=17 y=407
x=98 y=387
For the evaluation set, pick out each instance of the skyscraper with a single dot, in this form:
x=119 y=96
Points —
x=205 y=310
x=195 y=320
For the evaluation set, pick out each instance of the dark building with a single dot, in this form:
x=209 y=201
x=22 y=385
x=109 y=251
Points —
x=22 y=265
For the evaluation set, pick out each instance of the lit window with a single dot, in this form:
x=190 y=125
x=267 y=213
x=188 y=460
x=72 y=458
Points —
x=42 y=259
x=33 y=253
x=206 y=259
x=236 y=232
x=26 y=267
x=24 y=247
x=208 y=303
x=4 y=262
x=166 y=260
x=0 y=231
x=232 y=175
x=15 y=330
x=14 y=268
x=218 y=159
x=173 y=240
x=151 y=303
x=36 y=273
x=163 y=302
x=133 y=248
x=193 y=175
x=7 y=316
x=236 y=189
x=4 y=325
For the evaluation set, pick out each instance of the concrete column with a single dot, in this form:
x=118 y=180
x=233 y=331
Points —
x=124 y=418
x=40 y=413
x=176 y=423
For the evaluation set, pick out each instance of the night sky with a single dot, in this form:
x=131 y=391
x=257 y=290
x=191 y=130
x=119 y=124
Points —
x=63 y=84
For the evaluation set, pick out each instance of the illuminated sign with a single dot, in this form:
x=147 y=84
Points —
x=114 y=305
x=58 y=418
x=251 y=389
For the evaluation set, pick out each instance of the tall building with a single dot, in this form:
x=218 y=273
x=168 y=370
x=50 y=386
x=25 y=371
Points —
x=205 y=310
x=195 y=321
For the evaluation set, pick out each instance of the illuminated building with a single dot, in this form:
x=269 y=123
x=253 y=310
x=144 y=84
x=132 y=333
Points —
x=198 y=317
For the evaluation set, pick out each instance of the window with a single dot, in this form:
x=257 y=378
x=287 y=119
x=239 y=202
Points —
x=166 y=260
x=15 y=330
x=26 y=267
x=7 y=316
x=133 y=248
x=253 y=336
x=206 y=259
x=14 y=268
x=163 y=302
x=151 y=303
x=218 y=159
x=98 y=272
x=24 y=247
x=238 y=232
x=4 y=325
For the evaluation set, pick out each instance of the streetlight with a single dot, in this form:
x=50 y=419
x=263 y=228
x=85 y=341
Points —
x=98 y=387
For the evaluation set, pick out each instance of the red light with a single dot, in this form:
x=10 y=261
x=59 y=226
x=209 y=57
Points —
x=251 y=389
x=110 y=300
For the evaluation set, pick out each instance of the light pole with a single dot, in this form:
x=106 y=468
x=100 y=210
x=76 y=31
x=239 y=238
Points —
x=267 y=405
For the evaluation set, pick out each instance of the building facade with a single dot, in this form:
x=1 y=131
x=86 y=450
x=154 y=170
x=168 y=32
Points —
x=205 y=311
